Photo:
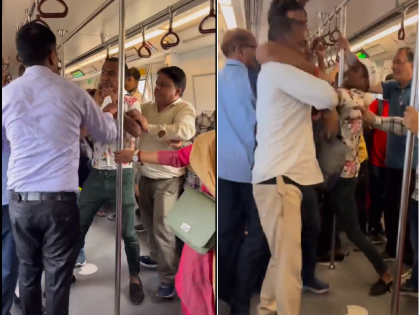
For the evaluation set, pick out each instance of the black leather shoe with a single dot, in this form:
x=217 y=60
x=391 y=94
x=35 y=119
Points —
x=136 y=293
x=380 y=287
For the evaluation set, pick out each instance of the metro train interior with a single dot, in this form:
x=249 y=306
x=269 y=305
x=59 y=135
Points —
x=372 y=30
x=94 y=31
x=90 y=32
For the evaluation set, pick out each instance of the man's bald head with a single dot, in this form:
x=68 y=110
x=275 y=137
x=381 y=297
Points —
x=239 y=44
x=236 y=37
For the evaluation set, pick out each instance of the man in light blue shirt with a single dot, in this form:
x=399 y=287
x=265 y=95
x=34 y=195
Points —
x=398 y=93
x=240 y=256
x=41 y=116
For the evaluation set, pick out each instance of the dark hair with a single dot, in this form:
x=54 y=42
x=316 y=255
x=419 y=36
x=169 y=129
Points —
x=177 y=76
x=280 y=27
x=115 y=59
x=365 y=75
x=389 y=77
x=34 y=42
x=408 y=52
x=133 y=72
x=91 y=92
x=280 y=8
x=22 y=70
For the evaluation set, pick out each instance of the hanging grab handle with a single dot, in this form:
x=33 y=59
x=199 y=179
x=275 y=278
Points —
x=401 y=31
x=336 y=32
x=144 y=46
x=212 y=14
x=53 y=15
x=164 y=42
x=327 y=36
x=38 y=16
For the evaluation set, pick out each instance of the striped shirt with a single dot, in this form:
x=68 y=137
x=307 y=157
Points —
x=396 y=125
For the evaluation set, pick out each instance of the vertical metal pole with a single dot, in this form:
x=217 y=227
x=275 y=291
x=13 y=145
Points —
x=62 y=34
x=149 y=70
x=343 y=26
x=408 y=161
x=121 y=81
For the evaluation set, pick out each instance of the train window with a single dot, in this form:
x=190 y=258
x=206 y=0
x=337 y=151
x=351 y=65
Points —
x=148 y=95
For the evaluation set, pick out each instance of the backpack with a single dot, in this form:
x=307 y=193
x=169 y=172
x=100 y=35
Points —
x=331 y=155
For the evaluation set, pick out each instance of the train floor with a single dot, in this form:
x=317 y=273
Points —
x=93 y=293
x=349 y=295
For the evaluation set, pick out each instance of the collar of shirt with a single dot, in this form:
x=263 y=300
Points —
x=155 y=105
x=37 y=70
x=398 y=87
x=133 y=92
x=232 y=62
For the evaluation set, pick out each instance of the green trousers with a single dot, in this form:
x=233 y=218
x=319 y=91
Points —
x=100 y=188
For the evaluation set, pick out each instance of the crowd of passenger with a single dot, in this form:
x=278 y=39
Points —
x=296 y=150
x=59 y=170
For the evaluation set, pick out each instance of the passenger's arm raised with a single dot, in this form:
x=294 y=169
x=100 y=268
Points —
x=101 y=124
x=275 y=52
x=302 y=86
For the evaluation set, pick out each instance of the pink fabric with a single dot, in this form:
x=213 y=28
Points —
x=193 y=282
x=179 y=158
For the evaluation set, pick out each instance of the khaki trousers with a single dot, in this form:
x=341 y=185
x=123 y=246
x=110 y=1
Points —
x=157 y=198
x=279 y=209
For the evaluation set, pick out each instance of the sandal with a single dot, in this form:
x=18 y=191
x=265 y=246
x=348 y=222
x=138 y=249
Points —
x=101 y=214
x=112 y=217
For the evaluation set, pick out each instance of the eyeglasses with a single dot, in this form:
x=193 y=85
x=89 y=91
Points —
x=398 y=62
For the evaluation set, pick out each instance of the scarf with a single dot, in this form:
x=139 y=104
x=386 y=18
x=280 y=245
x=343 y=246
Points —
x=203 y=160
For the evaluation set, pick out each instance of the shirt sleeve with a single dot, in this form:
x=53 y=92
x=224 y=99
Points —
x=390 y=124
x=180 y=158
x=183 y=127
x=302 y=86
x=100 y=125
x=352 y=98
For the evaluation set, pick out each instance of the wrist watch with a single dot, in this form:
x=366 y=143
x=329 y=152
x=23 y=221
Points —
x=136 y=156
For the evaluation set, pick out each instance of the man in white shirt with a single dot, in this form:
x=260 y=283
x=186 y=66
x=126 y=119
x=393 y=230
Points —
x=285 y=163
x=100 y=187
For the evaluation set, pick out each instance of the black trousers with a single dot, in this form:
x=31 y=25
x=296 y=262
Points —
x=377 y=181
x=327 y=212
x=311 y=226
x=242 y=258
x=46 y=235
x=361 y=195
x=392 y=212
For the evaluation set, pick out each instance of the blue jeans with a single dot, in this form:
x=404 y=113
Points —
x=10 y=263
x=414 y=238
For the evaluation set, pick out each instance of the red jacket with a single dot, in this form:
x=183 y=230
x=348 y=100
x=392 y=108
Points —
x=378 y=152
